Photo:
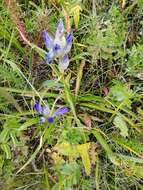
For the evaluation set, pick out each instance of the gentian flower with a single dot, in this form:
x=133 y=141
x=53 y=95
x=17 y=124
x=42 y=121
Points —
x=59 y=47
x=44 y=112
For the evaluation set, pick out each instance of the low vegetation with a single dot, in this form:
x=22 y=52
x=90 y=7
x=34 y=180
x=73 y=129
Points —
x=71 y=93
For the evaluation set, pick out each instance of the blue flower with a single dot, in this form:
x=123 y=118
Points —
x=61 y=111
x=44 y=112
x=37 y=107
x=59 y=47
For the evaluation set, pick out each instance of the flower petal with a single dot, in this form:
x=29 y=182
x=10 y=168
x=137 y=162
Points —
x=59 y=45
x=63 y=63
x=50 y=56
x=42 y=120
x=60 y=29
x=47 y=39
x=56 y=48
x=50 y=119
x=60 y=39
x=45 y=110
x=37 y=108
x=69 y=43
x=61 y=111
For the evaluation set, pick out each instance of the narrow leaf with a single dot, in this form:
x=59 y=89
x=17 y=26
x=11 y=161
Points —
x=7 y=150
x=76 y=13
x=28 y=124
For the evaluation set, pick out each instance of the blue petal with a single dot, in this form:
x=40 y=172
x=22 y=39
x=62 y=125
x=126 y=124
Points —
x=38 y=108
x=69 y=43
x=61 y=111
x=50 y=56
x=50 y=120
x=60 y=29
x=45 y=110
x=42 y=120
x=63 y=63
x=47 y=39
x=59 y=46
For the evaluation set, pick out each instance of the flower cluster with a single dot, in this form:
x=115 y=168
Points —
x=44 y=112
x=59 y=47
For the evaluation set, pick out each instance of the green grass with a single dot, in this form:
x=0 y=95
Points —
x=99 y=143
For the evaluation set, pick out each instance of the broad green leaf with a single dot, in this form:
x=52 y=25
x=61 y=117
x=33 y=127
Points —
x=83 y=151
x=121 y=124
x=66 y=149
x=76 y=151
